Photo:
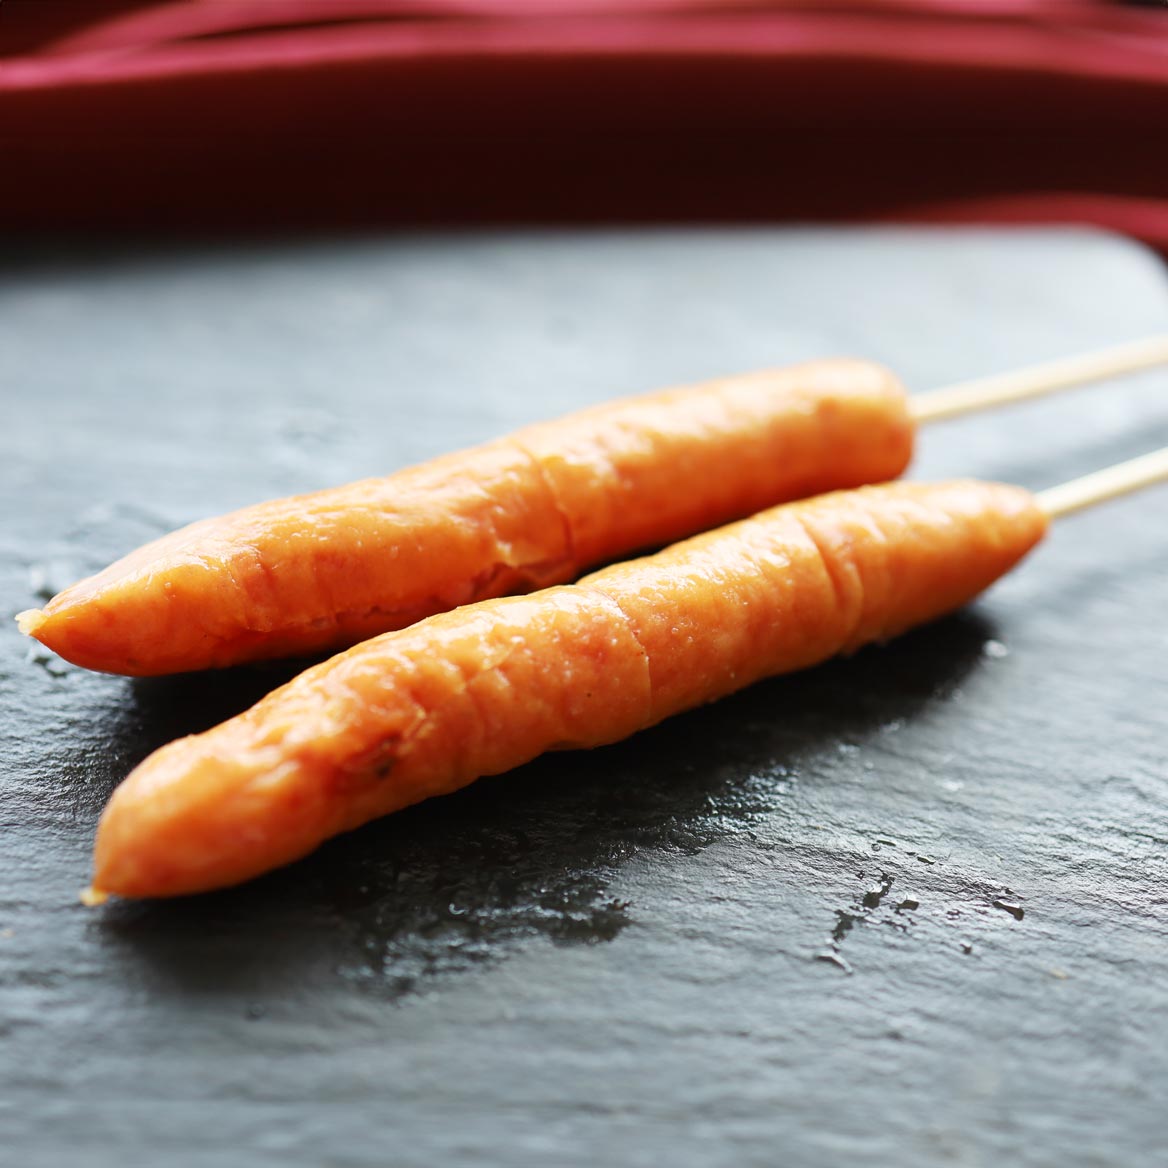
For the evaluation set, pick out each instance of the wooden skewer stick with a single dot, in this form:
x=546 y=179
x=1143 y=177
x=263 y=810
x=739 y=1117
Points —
x=1036 y=380
x=1109 y=483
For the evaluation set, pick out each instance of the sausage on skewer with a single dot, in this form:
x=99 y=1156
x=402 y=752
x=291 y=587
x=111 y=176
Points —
x=324 y=570
x=318 y=572
x=428 y=709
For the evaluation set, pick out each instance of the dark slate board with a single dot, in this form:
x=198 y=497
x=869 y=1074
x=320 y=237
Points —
x=617 y=957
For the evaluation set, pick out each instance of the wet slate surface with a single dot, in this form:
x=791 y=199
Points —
x=907 y=908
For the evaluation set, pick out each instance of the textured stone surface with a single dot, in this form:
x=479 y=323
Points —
x=907 y=908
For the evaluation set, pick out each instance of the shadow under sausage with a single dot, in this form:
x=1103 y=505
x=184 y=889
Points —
x=459 y=882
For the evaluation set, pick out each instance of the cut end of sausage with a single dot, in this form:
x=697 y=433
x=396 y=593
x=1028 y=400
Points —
x=92 y=643
x=30 y=621
x=93 y=896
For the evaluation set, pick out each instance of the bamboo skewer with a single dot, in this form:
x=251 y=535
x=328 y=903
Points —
x=1109 y=483
x=1036 y=380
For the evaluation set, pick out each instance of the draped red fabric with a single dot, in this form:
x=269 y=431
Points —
x=273 y=114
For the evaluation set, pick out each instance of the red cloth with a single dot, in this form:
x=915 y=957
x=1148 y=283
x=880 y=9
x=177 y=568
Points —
x=270 y=114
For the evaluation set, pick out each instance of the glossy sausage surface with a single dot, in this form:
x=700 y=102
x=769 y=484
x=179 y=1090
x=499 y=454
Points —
x=428 y=709
x=325 y=570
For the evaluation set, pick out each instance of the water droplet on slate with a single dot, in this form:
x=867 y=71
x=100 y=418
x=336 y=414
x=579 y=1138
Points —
x=833 y=959
x=877 y=892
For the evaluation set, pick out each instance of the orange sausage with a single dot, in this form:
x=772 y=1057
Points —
x=428 y=709
x=321 y=571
